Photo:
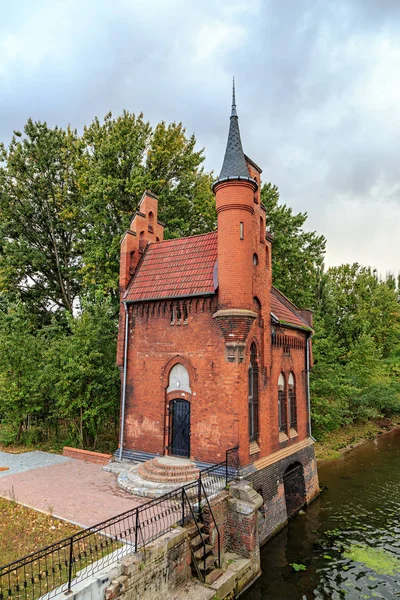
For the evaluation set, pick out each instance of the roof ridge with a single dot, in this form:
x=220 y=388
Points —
x=185 y=237
x=289 y=304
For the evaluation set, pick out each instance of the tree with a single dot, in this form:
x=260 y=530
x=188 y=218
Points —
x=297 y=255
x=21 y=360
x=123 y=157
x=80 y=372
x=39 y=216
x=356 y=302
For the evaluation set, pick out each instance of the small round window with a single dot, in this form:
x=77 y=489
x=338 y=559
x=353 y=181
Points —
x=255 y=259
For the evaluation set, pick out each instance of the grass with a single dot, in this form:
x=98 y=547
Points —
x=23 y=530
x=335 y=443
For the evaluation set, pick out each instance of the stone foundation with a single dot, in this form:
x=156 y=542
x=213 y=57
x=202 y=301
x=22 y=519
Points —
x=267 y=480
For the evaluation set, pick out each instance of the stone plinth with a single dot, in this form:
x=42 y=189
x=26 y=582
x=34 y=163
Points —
x=157 y=476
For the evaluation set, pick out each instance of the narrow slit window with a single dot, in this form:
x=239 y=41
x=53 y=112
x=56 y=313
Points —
x=241 y=230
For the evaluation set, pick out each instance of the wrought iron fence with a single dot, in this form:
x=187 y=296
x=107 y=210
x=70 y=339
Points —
x=58 y=567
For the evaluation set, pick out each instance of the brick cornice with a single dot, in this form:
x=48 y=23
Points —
x=234 y=312
x=236 y=206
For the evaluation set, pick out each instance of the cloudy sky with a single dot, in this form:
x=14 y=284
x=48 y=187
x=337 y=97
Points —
x=318 y=92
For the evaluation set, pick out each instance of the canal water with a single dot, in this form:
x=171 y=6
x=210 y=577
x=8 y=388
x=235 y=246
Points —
x=346 y=545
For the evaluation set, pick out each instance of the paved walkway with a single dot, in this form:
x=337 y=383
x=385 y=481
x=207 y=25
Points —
x=20 y=463
x=74 y=490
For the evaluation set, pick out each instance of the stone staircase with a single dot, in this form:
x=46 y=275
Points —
x=168 y=470
x=204 y=561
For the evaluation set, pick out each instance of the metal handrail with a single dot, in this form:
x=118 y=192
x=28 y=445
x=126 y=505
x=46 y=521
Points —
x=85 y=552
x=216 y=527
x=201 y=537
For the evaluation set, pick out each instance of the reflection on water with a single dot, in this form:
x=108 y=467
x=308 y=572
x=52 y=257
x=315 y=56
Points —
x=360 y=507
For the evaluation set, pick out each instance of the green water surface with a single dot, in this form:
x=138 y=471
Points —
x=348 y=540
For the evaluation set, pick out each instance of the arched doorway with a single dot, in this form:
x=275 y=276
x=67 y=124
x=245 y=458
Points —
x=179 y=428
x=295 y=488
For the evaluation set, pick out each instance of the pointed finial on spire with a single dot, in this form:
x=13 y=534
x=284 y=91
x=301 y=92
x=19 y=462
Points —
x=233 y=112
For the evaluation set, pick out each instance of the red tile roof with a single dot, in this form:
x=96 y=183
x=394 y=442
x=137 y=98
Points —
x=284 y=310
x=186 y=267
x=175 y=268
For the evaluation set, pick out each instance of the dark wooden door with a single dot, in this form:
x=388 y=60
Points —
x=179 y=411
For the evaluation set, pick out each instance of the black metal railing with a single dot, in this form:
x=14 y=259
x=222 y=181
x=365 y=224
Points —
x=60 y=566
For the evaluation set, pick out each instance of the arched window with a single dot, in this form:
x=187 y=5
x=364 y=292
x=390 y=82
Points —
x=262 y=230
x=253 y=394
x=282 y=415
x=255 y=259
x=257 y=309
x=292 y=401
x=142 y=241
x=267 y=257
x=179 y=379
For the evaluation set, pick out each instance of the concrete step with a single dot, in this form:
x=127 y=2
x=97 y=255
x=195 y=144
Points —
x=210 y=562
x=199 y=554
x=193 y=530
x=160 y=468
x=167 y=478
x=199 y=539
x=213 y=576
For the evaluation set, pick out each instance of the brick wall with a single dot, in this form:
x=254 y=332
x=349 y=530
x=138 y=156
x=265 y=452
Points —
x=268 y=482
x=155 y=572
x=88 y=455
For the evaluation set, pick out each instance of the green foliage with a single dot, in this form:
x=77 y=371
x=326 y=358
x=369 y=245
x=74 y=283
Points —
x=356 y=349
x=80 y=372
x=297 y=255
x=21 y=353
x=58 y=374
x=378 y=559
x=356 y=302
x=40 y=211
x=298 y=567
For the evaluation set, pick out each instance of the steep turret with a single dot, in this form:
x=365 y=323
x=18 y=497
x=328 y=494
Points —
x=235 y=198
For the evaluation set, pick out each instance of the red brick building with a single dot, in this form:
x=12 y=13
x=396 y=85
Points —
x=211 y=354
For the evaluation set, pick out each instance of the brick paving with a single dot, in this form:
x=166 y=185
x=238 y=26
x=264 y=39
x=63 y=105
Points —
x=73 y=490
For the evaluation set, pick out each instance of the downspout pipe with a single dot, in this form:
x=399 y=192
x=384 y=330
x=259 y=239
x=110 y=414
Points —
x=121 y=437
x=308 y=368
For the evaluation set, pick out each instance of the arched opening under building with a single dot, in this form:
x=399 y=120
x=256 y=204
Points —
x=295 y=488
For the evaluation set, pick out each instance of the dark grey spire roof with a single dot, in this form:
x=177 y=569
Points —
x=234 y=165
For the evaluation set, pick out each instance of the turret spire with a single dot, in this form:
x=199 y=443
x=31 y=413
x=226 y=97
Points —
x=234 y=165
x=233 y=112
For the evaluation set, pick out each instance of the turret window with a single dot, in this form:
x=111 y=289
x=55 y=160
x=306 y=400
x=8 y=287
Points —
x=255 y=259
x=241 y=230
